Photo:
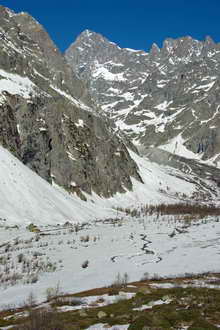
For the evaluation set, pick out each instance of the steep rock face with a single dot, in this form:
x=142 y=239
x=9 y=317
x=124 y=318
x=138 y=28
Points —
x=107 y=69
x=9 y=136
x=47 y=118
x=98 y=158
x=168 y=98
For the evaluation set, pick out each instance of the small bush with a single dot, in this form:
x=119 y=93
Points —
x=85 y=264
x=33 y=228
x=43 y=319
x=120 y=281
x=53 y=293
x=20 y=257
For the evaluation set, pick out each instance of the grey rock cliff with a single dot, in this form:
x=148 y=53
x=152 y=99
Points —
x=47 y=117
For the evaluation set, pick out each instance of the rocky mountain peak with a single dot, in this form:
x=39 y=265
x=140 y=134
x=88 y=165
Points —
x=169 y=45
x=92 y=44
x=90 y=36
x=209 y=41
x=155 y=50
x=36 y=32
x=6 y=12
x=147 y=95
x=183 y=49
x=47 y=118
x=90 y=40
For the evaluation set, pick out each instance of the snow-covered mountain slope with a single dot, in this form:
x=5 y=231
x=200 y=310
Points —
x=167 y=97
x=167 y=179
x=26 y=198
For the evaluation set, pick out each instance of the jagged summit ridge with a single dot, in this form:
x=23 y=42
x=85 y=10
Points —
x=169 y=44
x=167 y=98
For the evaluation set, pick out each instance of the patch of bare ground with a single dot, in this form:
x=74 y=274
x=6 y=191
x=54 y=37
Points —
x=152 y=306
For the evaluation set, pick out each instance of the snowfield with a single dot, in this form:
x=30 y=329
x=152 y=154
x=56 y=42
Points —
x=15 y=84
x=26 y=198
x=141 y=247
x=82 y=245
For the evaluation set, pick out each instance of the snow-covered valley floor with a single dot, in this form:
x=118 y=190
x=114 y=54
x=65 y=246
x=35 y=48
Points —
x=87 y=253
x=91 y=255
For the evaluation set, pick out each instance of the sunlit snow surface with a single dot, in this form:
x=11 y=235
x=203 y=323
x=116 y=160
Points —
x=131 y=245
x=26 y=198
x=135 y=246
x=15 y=84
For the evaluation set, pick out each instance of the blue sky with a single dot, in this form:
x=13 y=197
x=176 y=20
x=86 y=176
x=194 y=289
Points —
x=130 y=23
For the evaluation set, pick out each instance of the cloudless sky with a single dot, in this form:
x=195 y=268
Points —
x=130 y=23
